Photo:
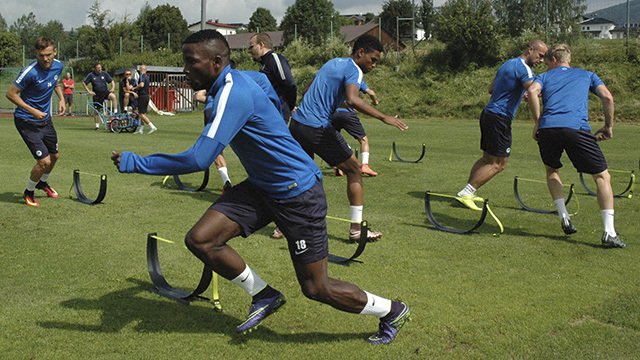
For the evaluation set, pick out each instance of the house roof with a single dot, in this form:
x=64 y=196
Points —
x=241 y=41
x=596 y=21
x=218 y=24
x=352 y=32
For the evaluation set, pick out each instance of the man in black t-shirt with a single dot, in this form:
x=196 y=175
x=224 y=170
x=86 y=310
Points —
x=102 y=88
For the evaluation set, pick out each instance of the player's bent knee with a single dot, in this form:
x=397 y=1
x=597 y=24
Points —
x=317 y=292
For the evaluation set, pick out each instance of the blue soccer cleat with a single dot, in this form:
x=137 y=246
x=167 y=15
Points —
x=390 y=326
x=259 y=310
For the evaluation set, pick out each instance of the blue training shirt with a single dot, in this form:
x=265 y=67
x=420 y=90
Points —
x=345 y=107
x=508 y=87
x=565 y=95
x=36 y=88
x=327 y=92
x=240 y=114
x=262 y=80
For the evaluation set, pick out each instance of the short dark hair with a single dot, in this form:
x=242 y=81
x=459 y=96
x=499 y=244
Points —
x=206 y=36
x=368 y=43
x=43 y=43
x=209 y=36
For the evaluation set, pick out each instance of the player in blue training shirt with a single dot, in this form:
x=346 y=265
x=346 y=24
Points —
x=507 y=89
x=31 y=91
x=564 y=126
x=347 y=118
x=283 y=185
x=338 y=81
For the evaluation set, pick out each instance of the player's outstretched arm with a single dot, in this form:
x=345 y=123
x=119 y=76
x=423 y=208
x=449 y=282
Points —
x=533 y=91
x=356 y=102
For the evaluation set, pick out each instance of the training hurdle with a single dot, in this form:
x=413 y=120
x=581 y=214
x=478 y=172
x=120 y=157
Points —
x=80 y=195
x=623 y=194
x=439 y=226
x=362 y=244
x=516 y=193
x=162 y=287
x=182 y=186
x=395 y=156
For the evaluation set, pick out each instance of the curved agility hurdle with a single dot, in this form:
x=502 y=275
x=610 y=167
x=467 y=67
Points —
x=623 y=194
x=80 y=195
x=394 y=154
x=525 y=207
x=439 y=226
x=182 y=186
x=162 y=287
x=362 y=243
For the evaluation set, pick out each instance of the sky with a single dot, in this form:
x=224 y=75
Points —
x=73 y=13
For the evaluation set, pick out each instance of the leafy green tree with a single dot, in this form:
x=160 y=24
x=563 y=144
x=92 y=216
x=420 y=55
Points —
x=426 y=15
x=100 y=40
x=10 y=49
x=393 y=9
x=130 y=35
x=163 y=27
x=3 y=23
x=468 y=29
x=553 y=16
x=261 y=20
x=54 y=30
x=27 y=28
x=311 y=19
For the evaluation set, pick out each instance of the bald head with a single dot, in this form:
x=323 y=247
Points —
x=534 y=54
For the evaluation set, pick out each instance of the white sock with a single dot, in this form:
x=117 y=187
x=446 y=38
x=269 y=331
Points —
x=468 y=190
x=44 y=177
x=224 y=174
x=97 y=126
x=356 y=213
x=249 y=281
x=607 y=220
x=376 y=305
x=561 y=208
x=31 y=185
x=365 y=158
x=153 y=127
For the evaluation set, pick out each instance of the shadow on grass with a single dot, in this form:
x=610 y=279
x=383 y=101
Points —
x=121 y=308
x=204 y=195
x=11 y=198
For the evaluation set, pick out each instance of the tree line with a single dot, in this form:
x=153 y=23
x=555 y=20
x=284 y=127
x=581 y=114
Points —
x=471 y=30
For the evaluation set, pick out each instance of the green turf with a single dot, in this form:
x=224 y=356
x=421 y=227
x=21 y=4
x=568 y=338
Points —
x=74 y=277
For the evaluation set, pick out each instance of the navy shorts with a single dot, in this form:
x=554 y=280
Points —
x=581 y=147
x=100 y=98
x=41 y=139
x=349 y=121
x=495 y=138
x=301 y=219
x=325 y=142
x=68 y=99
x=143 y=104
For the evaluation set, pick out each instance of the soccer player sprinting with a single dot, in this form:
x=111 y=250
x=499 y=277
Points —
x=508 y=87
x=283 y=185
x=563 y=126
x=32 y=91
x=337 y=81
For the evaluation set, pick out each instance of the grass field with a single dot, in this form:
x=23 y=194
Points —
x=74 y=279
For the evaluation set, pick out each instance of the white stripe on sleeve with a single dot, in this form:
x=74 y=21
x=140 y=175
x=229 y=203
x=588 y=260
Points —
x=222 y=104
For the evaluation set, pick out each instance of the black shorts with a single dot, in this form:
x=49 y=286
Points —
x=41 y=139
x=581 y=147
x=143 y=104
x=100 y=98
x=325 y=142
x=495 y=138
x=301 y=219
x=68 y=99
x=349 y=121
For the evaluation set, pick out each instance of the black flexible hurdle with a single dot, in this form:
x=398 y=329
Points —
x=626 y=193
x=516 y=193
x=182 y=186
x=80 y=195
x=395 y=156
x=163 y=288
x=362 y=243
x=441 y=227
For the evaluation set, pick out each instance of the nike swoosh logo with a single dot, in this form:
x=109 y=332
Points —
x=300 y=252
x=245 y=278
x=374 y=302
